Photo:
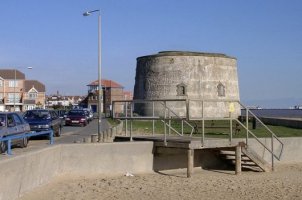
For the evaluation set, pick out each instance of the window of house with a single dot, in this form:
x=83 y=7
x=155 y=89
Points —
x=13 y=83
x=181 y=89
x=1 y=83
x=12 y=97
x=32 y=95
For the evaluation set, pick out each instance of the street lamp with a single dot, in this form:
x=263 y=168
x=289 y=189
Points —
x=99 y=66
x=15 y=80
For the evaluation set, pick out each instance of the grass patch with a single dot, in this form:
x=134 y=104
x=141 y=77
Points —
x=113 y=122
x=216 y=129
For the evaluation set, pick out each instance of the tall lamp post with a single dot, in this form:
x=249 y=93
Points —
x=15 y=80
x=99 y=67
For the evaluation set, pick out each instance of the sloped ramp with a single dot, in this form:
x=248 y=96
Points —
x=249 y=158
x=254 y=157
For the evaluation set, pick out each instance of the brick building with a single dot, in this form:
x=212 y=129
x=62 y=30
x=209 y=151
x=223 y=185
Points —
x=34 y=95
x=19 y=94
x=111 y=91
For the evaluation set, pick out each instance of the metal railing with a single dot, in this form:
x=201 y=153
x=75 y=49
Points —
x=272 y=135
x=167 y=114
x=220 y=110
x=8 y=139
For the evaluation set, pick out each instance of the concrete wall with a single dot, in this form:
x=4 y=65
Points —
x=171 y=158
x=23 y=173
x=293 y=123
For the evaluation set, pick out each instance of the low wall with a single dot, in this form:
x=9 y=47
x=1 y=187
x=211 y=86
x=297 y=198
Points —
x=25 y=172
x=293 y=123
x=22 y=173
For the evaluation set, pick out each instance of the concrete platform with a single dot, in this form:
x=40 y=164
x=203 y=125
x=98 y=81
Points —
x=179 y=142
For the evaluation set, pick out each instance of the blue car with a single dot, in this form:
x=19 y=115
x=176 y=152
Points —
x=12 y=123
x=44 y=120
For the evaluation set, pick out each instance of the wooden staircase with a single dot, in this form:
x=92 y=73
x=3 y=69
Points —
x=250 y=160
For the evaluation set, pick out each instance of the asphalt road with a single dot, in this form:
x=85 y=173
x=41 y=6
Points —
x=69 y=134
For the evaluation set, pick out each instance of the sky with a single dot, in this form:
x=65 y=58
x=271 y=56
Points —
x=61 y=45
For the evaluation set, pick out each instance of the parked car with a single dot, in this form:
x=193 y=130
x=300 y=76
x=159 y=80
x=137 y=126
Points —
x=89 y=114
x=62 y=113
x=13 y=124
x=76 y=117
x=44 y=120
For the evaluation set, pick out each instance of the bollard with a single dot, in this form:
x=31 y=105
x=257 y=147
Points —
x=94 y=138
x=111 y=131
x=100 y=137
x=103 y=136
x=107 y=134
x=86 y=140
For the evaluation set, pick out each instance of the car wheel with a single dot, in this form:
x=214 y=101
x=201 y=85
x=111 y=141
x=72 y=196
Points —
x=24 y=142
x=3 y=147
x=58 y=133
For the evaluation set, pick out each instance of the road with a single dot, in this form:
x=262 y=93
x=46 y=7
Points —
x=69 y=134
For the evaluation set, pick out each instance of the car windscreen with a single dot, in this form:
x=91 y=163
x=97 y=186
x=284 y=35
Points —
x=35 y=114
x=2 y=120
x=76 y=113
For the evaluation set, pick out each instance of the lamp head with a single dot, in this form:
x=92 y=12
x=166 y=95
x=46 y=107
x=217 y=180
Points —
x=86 y=14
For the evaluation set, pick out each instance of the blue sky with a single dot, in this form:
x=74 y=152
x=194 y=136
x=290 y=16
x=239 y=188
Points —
x=60 y=44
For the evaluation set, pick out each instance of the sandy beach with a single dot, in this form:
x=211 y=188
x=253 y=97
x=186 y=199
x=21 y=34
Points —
x=284 y=183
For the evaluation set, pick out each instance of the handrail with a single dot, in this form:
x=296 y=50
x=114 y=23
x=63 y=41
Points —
x=204 y=117
x=250 y=132
x=170 y=110
x=173 y=129
x=9 y=138
x=273 y=135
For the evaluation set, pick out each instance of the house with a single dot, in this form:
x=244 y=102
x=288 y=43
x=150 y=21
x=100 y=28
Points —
x=111 y=91
x=11 y=89
x=34 y=95
x=128 y=95
x=19 y=94
x=63 y=101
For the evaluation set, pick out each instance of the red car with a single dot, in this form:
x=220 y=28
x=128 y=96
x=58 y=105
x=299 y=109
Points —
x=76 y=117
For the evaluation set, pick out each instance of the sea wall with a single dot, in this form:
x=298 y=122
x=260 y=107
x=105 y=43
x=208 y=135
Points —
x=288 y=122
x=22 y=173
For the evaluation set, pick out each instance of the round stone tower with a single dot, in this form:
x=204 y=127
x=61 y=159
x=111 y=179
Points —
x=208 y=77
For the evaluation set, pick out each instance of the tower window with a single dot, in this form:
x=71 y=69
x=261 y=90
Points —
x=181 y=89
x=221 y=90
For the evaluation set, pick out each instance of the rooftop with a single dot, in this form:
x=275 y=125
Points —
x=10 y=74
x=29 y=84
x=106 y=83
x=186 y=53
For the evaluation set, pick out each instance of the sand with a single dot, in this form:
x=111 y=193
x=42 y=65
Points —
x=284 y=183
